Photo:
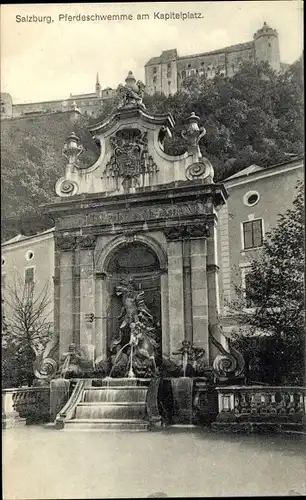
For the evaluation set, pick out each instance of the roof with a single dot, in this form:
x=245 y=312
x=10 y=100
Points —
x=167 y=55
x=19 y=237
x=82 y=96
x=252 y=169
x=231 y=48
x=22 y=237
x=245 y=172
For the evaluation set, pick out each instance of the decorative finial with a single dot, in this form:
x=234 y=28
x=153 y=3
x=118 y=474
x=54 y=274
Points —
x=72 y=148
x=193 y=133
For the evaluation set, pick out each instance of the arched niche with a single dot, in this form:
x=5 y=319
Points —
x=139 y=258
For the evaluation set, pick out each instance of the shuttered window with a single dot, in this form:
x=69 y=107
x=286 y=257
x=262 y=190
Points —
x=252 y=234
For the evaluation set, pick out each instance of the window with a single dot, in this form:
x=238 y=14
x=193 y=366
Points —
x=252 y=234
x=155 y=69
x=30 y=255
x=154 y=79
x=29 y=275
x=3 y=261
x=251 y=198
x=189 y=65
x=183 y=74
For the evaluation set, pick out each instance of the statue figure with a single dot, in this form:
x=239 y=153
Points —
x=192 y=356
x=131 y=93
x=137 y=319
x=72 y=361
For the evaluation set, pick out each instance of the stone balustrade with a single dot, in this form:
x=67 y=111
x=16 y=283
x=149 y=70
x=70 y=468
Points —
x=251 y=408
x=25 y=405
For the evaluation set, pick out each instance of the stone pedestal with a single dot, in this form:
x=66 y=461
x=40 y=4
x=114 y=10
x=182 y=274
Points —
x=10 y=417
x=59 y=395
x=182 y=391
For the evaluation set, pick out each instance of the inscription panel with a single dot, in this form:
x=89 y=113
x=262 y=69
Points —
x=139 y=214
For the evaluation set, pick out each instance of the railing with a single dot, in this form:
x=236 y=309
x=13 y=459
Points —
x=69 y=409
x=29 y=403
x=282 y=406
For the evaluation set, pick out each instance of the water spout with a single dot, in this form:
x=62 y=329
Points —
x=116 y=359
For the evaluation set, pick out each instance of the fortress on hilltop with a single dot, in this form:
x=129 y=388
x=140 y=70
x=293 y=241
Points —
x=164 y=74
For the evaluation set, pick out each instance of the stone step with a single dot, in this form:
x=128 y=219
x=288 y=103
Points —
x=110 y=410
x=107 y=425
x=118 y=388
x=120 y=382
x=115 y=394
x=112 y=403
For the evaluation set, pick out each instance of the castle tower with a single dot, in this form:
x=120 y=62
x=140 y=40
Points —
x=98 y=86
x=267 y=46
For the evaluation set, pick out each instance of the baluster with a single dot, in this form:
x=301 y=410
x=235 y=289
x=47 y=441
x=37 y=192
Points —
x=291 y=403
x=263 y=403
x=300 y=405
x=272 y=406
x=236 y=403
x=281 y=408
x=245 y=408
x=253 y=404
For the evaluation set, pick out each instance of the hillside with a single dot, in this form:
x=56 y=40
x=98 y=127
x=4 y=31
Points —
x=254 y=117
x=32 y=162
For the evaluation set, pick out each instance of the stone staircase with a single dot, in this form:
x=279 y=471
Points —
x=110 y=404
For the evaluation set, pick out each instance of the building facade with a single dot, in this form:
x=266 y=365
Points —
x=28 y=259
x=89 y=104
x=166 y=73
x=257 y=196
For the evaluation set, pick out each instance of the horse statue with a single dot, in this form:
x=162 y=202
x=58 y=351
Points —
x=137 y=319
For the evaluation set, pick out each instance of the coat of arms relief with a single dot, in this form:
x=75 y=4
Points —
x=130 y=160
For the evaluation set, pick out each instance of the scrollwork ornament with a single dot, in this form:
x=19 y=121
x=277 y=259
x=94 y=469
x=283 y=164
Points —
x=65 y=187
x=195 y=170
x=201 y=169
x=46 y=370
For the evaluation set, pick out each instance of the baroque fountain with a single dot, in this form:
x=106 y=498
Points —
x=136 y=225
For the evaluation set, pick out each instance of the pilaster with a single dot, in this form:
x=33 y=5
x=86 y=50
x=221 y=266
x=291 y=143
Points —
x=87 y=298
x=64 y=248
x=199 y=293
x=175 y=294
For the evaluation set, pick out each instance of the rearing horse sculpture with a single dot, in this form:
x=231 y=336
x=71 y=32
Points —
x=137 y=318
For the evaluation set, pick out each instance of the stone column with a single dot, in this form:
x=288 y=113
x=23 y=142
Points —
x=164 y=294
x=65 y=245
x=76 y=296
x=101 y=311
x=213 y=290
x=176 y=290
x=57 y=291
x=187 y=291
x=87 y=298
x=199 y=287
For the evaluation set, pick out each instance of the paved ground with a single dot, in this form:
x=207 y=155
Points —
x=40 y=462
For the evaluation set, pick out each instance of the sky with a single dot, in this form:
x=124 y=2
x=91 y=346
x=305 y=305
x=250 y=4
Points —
x=49 y=60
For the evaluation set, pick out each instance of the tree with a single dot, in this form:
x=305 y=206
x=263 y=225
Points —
x=274 y=332
x=26 y=328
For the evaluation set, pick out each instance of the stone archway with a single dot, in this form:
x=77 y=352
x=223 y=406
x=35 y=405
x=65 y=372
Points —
x=144 y=260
